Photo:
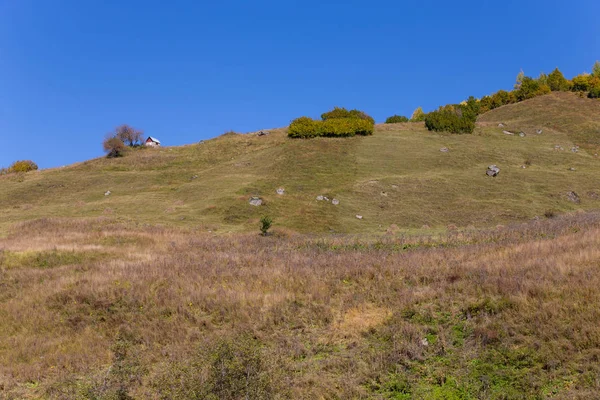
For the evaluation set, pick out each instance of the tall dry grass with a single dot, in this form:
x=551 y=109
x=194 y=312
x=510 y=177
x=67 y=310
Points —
x=166 y=313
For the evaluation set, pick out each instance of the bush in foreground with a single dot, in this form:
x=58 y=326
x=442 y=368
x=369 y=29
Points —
x=449 y=119
x=594 y=93
x=394 y=119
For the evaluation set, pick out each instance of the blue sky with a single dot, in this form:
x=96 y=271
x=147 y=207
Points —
x=182 y=71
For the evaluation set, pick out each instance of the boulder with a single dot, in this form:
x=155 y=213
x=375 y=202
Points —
x=262 y=133
x=575 y=149
x=335 y=202
x=359 y=216
x=507 y=133
x=522 y=134
x=256 y=201
x=501 y=125
x=493 y=171
x=539 y=131
x=444 y=150
x=320 y=198
x=280 y=191
x=107 y=193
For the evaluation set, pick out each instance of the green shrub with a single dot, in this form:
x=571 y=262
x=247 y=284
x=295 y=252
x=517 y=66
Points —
x=23 y=166
x=394 y=119
x=265 y=224
x=449 y=119
x=594 y=93
x=502 y=98
x=582 y=83
x=304 y=127
x=340 y=112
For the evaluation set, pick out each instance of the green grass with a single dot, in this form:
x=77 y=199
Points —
x=397 y=176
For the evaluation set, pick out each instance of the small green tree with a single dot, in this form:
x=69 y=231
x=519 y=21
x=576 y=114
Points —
x=418 y=115
x=394 y=119
x=557 y=81
x=265 y=225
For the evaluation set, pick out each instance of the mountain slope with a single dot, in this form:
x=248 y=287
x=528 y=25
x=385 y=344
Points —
x=397 y=176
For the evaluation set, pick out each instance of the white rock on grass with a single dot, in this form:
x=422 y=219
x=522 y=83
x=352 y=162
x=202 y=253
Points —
x=492 y=171
x=359 y=216
x=255 y=201
x=335 y=202
x=280 y=191
x=107 y=193
x=320 y=198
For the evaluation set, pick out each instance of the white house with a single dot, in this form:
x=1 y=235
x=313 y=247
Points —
x=154 y=142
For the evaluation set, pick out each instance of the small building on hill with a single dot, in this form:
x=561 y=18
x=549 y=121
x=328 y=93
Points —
x=151 y=141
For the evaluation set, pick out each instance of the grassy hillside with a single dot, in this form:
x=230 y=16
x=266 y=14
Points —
x=99 y=309
x=397 y=176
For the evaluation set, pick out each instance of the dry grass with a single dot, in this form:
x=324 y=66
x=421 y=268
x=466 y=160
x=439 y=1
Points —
x=161 y=312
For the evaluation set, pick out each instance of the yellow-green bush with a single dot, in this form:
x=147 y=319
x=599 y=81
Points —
x=340 y=112
x=305 y=127
x=23 y=166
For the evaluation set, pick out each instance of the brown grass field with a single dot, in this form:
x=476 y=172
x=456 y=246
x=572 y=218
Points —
x=100 y=309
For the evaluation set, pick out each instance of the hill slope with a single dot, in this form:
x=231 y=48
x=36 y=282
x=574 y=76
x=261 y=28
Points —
x=397 y=176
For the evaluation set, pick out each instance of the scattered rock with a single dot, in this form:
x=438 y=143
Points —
x=574 y=197
x=262 y=133
x=539 y=131
x=523 y=166
x=522 y=134
x=280 y=191
x=320 y=198
x=325 y=198
x=256 y=201
x=107 y=193
x=558 y=147
x=493 y=171
x=359 y=216
x=195 y=177
x=593 y=195
x=575 y=149
x=501 y=125
x=335 y=202
x=444 y=150
x=571 y=169
x=507 y=133
x=384 y=194
x=425 y=342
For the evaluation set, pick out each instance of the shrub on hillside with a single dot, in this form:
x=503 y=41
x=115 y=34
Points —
x=340 y=112
x=594 y=93
x=449 y=119
x=304 y=127
x=394 y=119
x=114 y=147
x=23 y=166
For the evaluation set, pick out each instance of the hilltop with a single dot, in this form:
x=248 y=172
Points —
x=397 y=176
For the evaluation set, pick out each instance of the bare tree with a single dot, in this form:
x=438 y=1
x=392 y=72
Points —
x=129 y=135
x=113 y=146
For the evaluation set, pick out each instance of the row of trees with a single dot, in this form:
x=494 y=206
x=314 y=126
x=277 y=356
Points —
x=460 y=118
x=338 y=122
x=115 y=143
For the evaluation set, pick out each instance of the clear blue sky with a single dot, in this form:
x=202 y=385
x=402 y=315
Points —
x=72 y=70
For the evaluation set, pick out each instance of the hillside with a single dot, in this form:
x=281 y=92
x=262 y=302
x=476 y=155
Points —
x=397 y=176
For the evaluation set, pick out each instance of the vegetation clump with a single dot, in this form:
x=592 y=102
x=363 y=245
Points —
x=265 y=224
x=338 y=122
x=114 y=147
x=394 y=119
x=21 y=166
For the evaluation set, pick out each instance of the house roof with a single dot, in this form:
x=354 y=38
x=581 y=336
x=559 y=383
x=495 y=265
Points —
x=153 y=139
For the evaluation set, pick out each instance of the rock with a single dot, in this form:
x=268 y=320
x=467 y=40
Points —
x=575 y=149
x=325 y=198
x=195 y=177
x=593 y=195
x=256 y=201
x=444 y=150
x=501 y=125
x=571 y=169
x=280 y=191
x=107 y=193
x=574 y=197
x=425 y=342
x=359 y=216
x=262 y=133
x=539 y=131
x=522 y=134
x=523 y=166
x=493 y=171
x=558 y=147
x=320 y=198
x=335 y=202
x=507 y=133
x=384 y=194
